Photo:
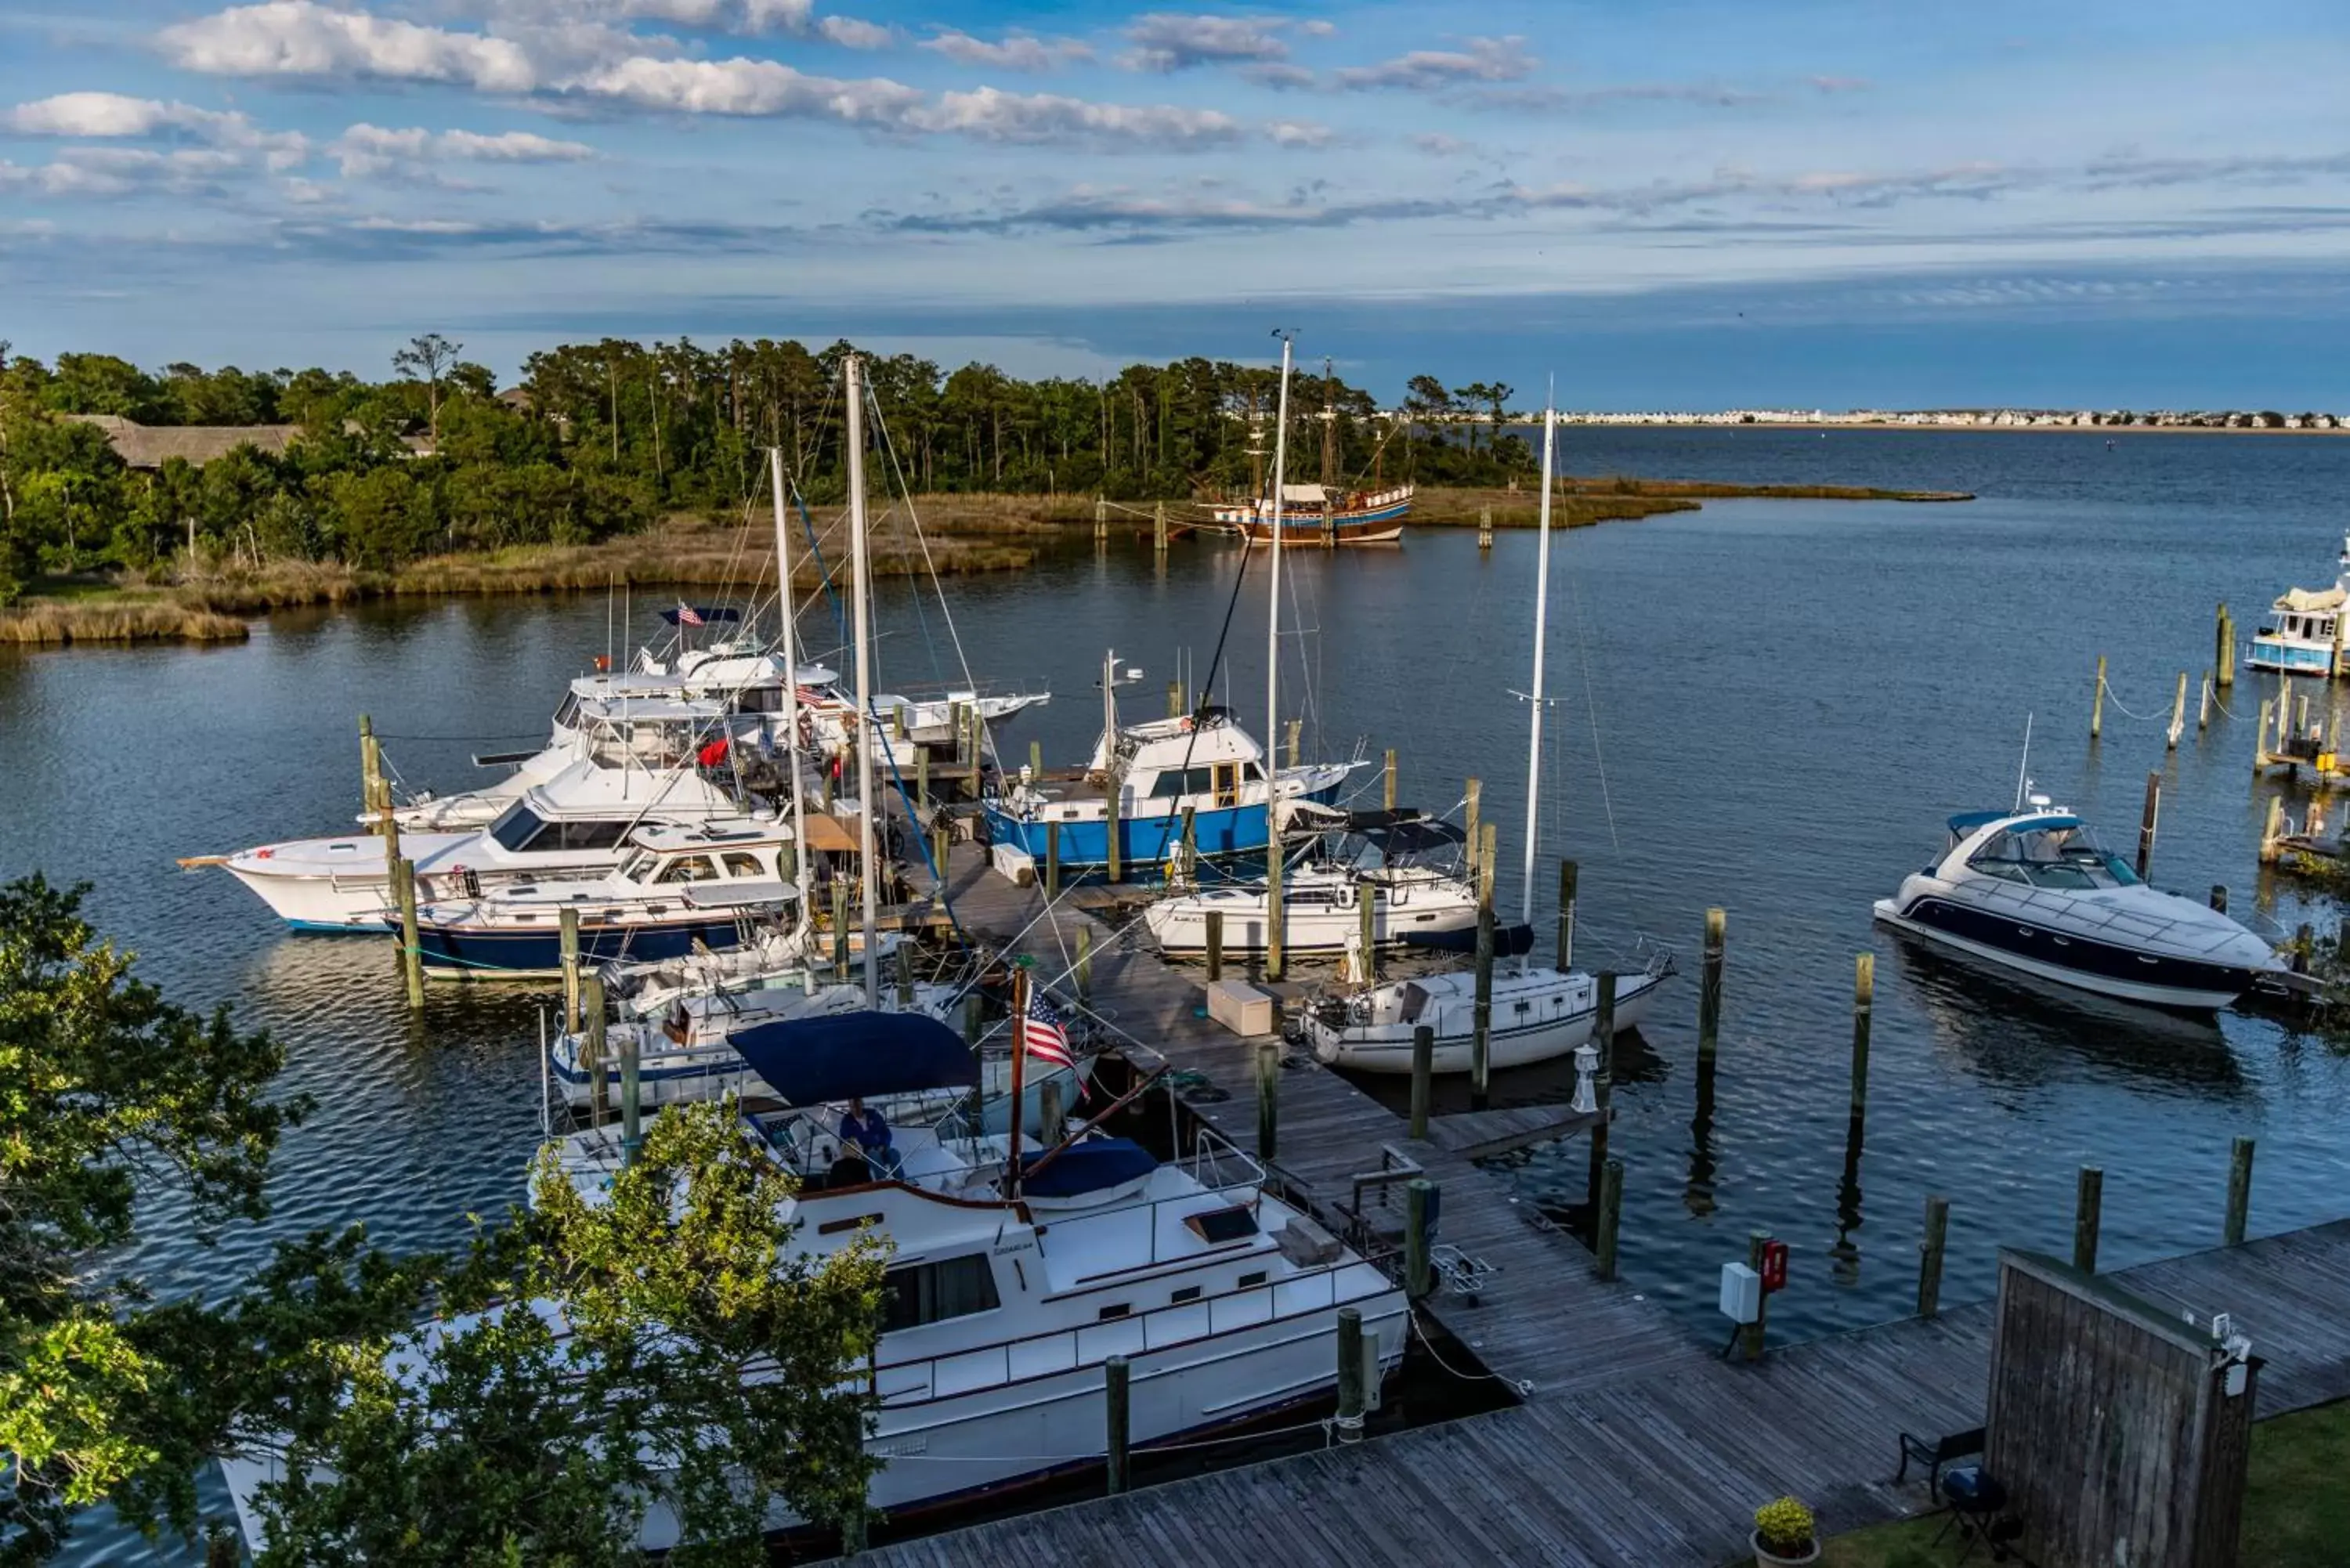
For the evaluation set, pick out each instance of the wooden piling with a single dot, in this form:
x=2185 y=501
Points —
x=1470 y=794
x=1484 y=527
x=2178 y=711
x=1296 y=735
x=939 y=851
x=1864 y=1004
x=1603 y=1088
x=1367 y=911
x=2203 y=705
x=1191 y=843
x=1709 y=987
x=1215 y=923
x=632 y=1102
x=1418 y=1266
x=569 y=919
x=1481 y=1045
x=1751 y=1337
x=2260 y=741
x=1158 y=529
x=370 y=773
x=1115 y=1401
x=1084 y=961
x=1611 y=1208
x=1929 y=1255
x=2148 y=815
x=2240 y=1191
x=923 y=779
x=1174 y=699
x=2088 y=1203
x=1423 y=1077
x=1268 y=1098
x=1114 y=789
x=1352 y=1375
x=1035 y=758
x=2272 y=831
x=1277 y=919
x=1569 y=875
x=2304 y=940
x=412 y=956
x=2097 y=703
x=2219 y=897
x=1388 y=787
x=2225 y=651
x=593 y=1057
x=1101 y=519
x=1052 y=860
x=2300 y=717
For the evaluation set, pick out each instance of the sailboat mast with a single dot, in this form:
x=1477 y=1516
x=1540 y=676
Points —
x=1273 y=583
x=869 y=884
x=784 y=610
x=1329 y=440
x=1541 y=629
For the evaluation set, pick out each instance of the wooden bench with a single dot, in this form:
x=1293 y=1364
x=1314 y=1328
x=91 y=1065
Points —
x=1936 y=1454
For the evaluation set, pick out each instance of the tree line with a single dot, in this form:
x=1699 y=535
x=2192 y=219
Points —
x=601 y=439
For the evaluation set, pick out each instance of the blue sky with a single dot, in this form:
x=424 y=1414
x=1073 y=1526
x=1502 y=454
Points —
x=1665 y=203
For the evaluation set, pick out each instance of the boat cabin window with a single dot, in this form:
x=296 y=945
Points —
x=741 y=865
x=688 y=869
x=1253 y=771
x=1415 y=1003
x=517 y=827
x=2063 y=859
x=1173 y=782
x=1217 y=1226
x=760 y=699
x=932 y=1293
x=567 y=713
x=1228 y=787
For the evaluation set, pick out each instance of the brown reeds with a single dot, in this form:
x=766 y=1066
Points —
x=117 y=621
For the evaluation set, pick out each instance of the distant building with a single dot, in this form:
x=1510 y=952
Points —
x=151 y=446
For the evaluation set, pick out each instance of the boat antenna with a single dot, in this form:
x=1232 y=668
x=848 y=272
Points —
x=2023 y=767
x=787 y=613
x=867 y=882
x=1542 y=627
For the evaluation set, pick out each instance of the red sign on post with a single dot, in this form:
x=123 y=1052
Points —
x=1775 y=1266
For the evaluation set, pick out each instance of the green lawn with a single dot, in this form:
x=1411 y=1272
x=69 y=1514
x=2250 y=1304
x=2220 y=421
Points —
x=2296 y=1506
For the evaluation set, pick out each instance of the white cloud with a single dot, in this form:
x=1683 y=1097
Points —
x=990 y=115
x=851 y=34
x=745 y=86
x=115 y=115
x=1297 y=133
x=366 y=151
x=1278 y=73
x=1014 y=52
x=1479 y=60
x=297 y=37
x=123 y=170
x=1166 y=41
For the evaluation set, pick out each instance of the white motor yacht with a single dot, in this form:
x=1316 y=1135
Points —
x=2034 y=891
x=1409 y=868
x=1539 y=1014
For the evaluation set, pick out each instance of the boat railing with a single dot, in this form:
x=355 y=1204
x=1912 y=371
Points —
x=921 y=1380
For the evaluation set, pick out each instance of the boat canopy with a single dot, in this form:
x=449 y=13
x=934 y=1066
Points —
x=2303 y=601
x=1093 y=1165
x=861 y=1055
x=1966 y=822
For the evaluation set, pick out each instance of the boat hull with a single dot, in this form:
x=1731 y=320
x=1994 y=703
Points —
x=2104 y=968
x=1388 y=1047
x=472 y=952
x=2285 y=658
x=1143 y=840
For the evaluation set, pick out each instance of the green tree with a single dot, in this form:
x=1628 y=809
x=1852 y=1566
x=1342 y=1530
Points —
x=656 y=1344
x=113 y=1100
x=428 y=359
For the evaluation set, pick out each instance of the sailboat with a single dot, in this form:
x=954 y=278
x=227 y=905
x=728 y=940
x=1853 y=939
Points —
x=1537 y=1012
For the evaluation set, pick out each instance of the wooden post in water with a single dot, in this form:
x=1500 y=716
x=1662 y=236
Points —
x=1603 y=1088
x=1191 y=843
x=1113 y=789
x=1268 y=1098
x=938 y=854
x=1864 y=1004
x=2240 y=1191
x=1351 y=1375
x=2203 y=705
x=1419 y=1217
x=1115 y=1401
x=1158 y=529
x=1277 y=919
x=1569 y=875
x=371 y=770
x=1387 y=784
x=1101 y=519
x=1481 y=1044
x=1037 y=759
x=1469 y=796
x=1296 y=733
x=593 y=1058
x=2225 y=653
x=1709 y=985
x=1366 y=910
x=1174 y=699
x=2260 y=741
x=2178 y=713
x=1929 y=1255
x=1484 y=527
x=2148 y=814
x=1052 y=861
x=1084 y=961
x=2273 y=830
x=569 y=920
x=2219 y=897
x=1750 y=1336
x=1424 y=1077
x=411 y=957
x=1611 y=1208
x=2097 y=703
x=2088 y=1202
x=923 y=779
x=632 y=1102
x=1215 y=923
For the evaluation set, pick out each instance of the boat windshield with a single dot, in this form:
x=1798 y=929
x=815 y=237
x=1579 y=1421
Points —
x=515 y=829
x=2067 y=860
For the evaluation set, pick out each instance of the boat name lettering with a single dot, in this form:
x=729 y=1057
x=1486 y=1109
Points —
x=1025 y=1244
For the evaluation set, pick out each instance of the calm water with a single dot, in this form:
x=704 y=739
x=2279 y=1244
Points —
x=1767 y=706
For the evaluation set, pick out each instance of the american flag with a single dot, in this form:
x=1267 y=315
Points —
x=1042 y=1034
x=687 y=615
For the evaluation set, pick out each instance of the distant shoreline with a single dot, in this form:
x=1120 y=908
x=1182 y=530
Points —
x=2108 y=431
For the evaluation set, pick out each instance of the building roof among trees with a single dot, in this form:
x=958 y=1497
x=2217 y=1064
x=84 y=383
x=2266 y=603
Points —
x=150 y=446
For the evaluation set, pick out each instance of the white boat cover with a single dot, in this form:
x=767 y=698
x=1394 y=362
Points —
x=2301 y=601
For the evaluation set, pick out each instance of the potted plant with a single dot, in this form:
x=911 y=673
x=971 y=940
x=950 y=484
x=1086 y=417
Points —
x=1783 y=1535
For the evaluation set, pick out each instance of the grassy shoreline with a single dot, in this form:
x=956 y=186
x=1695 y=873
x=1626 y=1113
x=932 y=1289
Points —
x=960 y=534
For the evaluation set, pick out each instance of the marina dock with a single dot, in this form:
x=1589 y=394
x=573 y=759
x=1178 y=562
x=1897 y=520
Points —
x=1632 y=1444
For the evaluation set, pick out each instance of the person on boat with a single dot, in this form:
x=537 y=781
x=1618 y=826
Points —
x=865 y=1130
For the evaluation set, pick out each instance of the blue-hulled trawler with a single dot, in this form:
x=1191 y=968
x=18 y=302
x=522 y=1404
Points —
x=2308 y=634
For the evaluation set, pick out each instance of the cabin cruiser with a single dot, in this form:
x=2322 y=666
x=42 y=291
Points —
x=1539 y=1013
x=1017 y=1271
x=2032 y=890
x=677 y=889
x=2310 y=629
x=757 y=678
x=1411 y=867
x=576 y=822
x=1144 y=778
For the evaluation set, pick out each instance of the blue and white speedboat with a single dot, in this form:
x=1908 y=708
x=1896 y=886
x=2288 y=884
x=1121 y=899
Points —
x=678 y=890
x=2034 y=891
x=1203 y=760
